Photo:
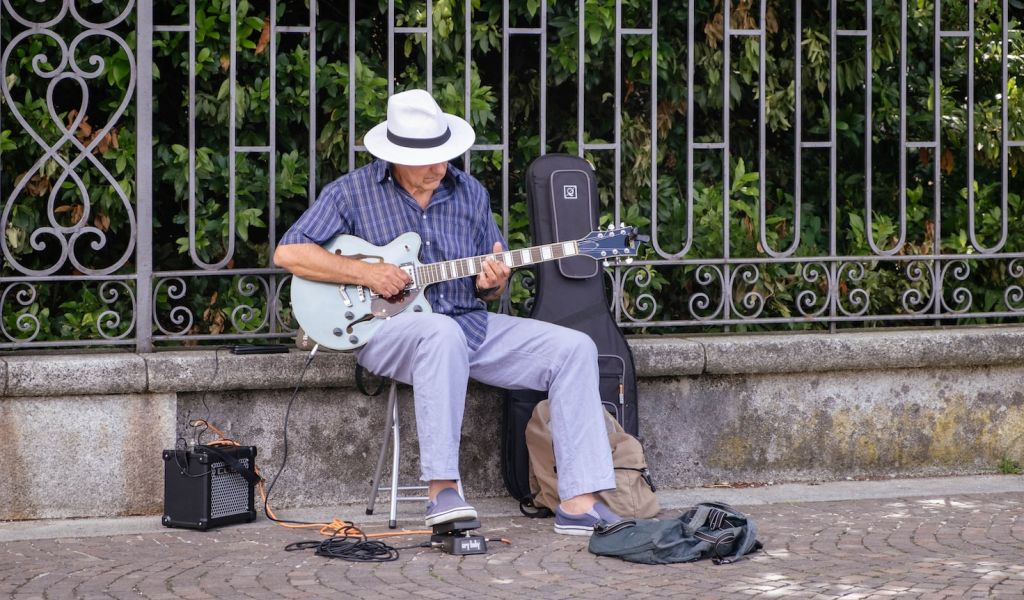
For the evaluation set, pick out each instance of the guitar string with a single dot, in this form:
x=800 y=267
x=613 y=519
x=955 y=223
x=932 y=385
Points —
x=435 y=272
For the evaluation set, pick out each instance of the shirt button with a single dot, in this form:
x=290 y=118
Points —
x=442 y=295
x=428 y=243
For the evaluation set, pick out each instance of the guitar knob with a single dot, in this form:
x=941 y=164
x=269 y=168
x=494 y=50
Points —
x=338 y=332
x=349 y=315
x=417 y=308
x=354 y=339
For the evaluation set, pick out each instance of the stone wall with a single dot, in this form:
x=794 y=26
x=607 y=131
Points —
x=84 y=432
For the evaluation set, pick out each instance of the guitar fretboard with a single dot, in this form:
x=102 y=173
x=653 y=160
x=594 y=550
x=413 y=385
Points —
x=465 y=267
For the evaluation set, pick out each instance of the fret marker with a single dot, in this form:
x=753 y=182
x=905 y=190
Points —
x=567 y=249
x=525 y=256
x=545 y=252
x=506 y=257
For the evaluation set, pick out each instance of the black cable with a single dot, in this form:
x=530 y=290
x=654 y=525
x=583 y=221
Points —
x=348 y=543
x=348 y=548
x=284 y=458
x=197 y=435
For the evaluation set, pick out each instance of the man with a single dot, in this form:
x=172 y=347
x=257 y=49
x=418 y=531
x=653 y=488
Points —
x=411 y=187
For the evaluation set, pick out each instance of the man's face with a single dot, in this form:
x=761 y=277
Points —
x=420 y=179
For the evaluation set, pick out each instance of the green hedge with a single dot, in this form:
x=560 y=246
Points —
x=65 y=313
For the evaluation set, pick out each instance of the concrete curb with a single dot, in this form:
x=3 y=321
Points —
x=667 y=356
x=671 y=500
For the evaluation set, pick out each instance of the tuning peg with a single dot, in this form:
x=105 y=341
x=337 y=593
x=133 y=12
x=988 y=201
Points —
x=629 y=260
x=607 y=263
x=622 y=224
x=611 y=226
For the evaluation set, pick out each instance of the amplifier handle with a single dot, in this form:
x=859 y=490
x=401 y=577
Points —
x=235 y=465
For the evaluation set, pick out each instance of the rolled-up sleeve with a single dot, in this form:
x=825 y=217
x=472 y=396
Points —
x=322 y=221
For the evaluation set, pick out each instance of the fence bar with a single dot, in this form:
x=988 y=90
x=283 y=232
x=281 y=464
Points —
x=313 y=99
x=144 y=179
x=750 y=276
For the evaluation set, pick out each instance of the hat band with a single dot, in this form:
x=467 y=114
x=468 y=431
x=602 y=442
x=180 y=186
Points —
x=409 y=142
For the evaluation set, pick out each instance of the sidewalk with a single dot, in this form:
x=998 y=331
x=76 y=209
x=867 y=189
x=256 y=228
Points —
x=957 y=537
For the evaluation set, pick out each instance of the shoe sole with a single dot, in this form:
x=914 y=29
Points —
x=463 y=513
x=579 y=530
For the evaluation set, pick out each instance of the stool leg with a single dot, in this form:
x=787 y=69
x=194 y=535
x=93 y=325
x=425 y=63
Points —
x=375 y=487
x=395 y=454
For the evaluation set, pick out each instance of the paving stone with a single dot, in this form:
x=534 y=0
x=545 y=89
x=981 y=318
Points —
x=950 y=547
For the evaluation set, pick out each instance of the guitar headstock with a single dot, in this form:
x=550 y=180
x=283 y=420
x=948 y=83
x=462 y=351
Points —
x=617 y=243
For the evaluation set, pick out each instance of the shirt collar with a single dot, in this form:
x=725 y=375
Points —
x=382 y=173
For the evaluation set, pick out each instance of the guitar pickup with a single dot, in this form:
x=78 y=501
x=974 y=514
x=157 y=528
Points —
x=410 y=270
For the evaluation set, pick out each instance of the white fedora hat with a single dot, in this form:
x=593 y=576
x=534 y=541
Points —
x=417 y=132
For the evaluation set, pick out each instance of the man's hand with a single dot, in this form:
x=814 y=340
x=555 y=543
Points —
x=385 y=279
x=493 y=276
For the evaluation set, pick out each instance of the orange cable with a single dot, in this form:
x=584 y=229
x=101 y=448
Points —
x=335 y=527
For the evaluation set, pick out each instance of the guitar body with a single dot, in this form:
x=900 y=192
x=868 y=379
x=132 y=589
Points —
x=344 y=317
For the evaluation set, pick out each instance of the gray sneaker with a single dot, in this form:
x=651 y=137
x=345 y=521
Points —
x=583 y=524
x=447 y=507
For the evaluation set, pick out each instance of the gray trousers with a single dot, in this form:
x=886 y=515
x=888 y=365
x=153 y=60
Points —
x=429 y=352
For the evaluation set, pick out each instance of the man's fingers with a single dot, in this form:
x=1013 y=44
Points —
x=388 y=280
x=495 y=272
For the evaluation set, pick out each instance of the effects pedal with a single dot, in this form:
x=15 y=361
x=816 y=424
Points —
x=454 y=538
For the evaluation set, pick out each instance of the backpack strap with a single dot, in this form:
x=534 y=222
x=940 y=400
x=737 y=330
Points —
x=697 y=519
x=361 y=382
x=719 y=543
x=529 y=509
x=715 y=514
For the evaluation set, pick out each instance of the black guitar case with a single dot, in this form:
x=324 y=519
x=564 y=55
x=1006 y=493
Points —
x=562 y=199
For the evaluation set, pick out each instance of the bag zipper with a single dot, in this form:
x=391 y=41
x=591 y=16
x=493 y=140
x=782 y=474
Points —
x=645 y=474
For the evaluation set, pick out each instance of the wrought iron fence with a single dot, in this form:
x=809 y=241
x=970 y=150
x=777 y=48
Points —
x=797 y=165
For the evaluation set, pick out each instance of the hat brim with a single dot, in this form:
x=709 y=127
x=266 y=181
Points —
x=462 y=137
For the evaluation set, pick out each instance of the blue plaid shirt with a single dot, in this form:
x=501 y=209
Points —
x=370 y=204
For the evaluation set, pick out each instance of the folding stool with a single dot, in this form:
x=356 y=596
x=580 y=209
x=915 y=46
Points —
x=391 y=430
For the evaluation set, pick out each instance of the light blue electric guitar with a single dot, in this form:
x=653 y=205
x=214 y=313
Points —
x=344 y=317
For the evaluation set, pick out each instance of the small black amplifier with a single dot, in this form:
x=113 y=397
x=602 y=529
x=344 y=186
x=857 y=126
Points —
x=208 y=486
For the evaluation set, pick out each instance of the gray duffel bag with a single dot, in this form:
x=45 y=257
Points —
x=708 y=530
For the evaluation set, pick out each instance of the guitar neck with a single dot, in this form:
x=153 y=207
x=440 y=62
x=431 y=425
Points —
x=466 y=267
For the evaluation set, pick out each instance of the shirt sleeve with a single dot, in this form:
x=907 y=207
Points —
x=489 y=232
x=322 y=221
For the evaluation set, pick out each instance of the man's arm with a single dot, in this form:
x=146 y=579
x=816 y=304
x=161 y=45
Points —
x=310 y=261
x=491 y=281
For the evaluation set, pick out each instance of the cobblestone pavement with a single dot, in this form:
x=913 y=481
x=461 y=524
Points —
x=955 y=546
